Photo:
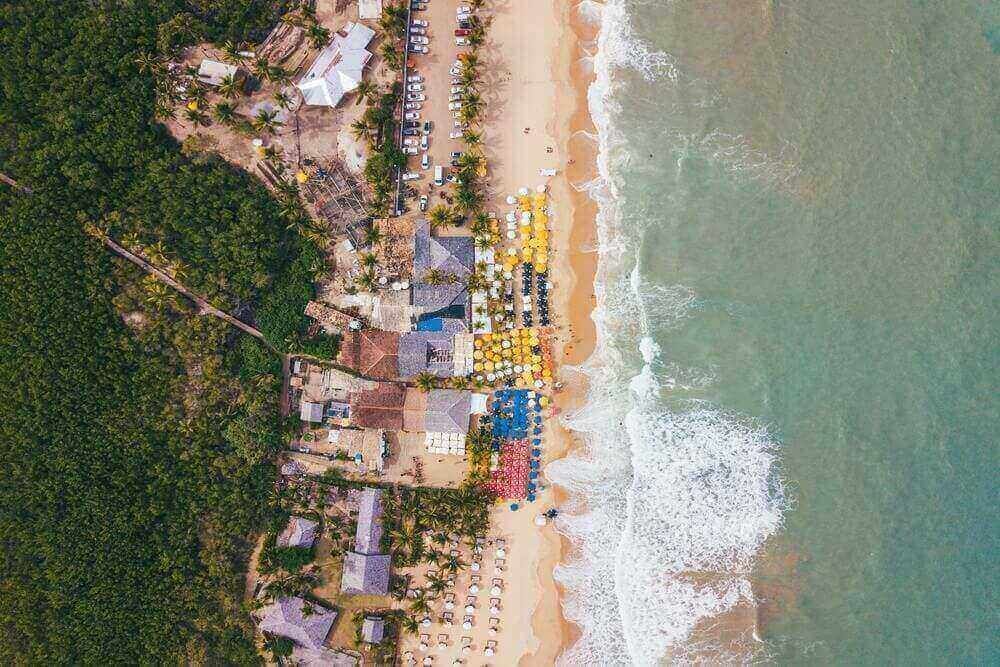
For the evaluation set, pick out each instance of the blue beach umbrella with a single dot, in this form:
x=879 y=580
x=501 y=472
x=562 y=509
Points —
x=531 y=497
x=513 y=507
x=533 y=475
x=531 y=486
x=534 y=465
x=536 y=442
x=536 y=452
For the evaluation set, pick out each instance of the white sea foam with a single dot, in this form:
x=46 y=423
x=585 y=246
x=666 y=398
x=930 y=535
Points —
x=667 y=509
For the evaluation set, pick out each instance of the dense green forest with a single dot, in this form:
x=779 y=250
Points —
x=134 y=435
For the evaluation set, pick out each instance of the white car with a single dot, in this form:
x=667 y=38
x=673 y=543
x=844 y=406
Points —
x=416 y=97
x=415 y=87
x=455 y=81
x=454 y=106
x=455 y=135
x=411 y=175
x=414 y=30
x=415 y=78
x=420 y=23
x=462 y=17
x=455 y=71
x=423 y=202
x=463 y=9
x=413 y=105
x=461 y=41
x=411 y=150
x=416 y=48
x=425 y=142
x=461 y=125
x=412 y=115
x=425 y=161
x=419 y=39
x=457 y=89
x=457 y=97
x=411 y=141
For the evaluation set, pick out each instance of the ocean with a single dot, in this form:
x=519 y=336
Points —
x=790 y=442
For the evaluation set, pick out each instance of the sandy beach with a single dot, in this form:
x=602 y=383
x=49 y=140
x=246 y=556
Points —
x=536 y=110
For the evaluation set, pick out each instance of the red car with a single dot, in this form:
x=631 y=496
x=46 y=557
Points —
x=462 y=32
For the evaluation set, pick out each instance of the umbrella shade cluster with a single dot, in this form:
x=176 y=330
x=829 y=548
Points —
x=510 y=479
x=510 y=414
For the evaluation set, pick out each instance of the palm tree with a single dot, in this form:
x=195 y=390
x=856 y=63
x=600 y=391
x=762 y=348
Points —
x=360 y=129
x=481 y=224
x=477 y=282
x=440 y=216
x=281 y=99
x=374 y=236
x=390 y=54
x=194 y=116
x=366 y=280
x=260 y=67
x=467 y=199
x=230 y=86
x=426 y=381
x=369 y=260
x=483 y=242
x=472 y=139
x=267 y=121
x=148 y=62
x=224 y=112
x=420 y=605
x=318 y=35
x=409 y=625
x=231 y=53
x=162 y=111
x=365 y=90
x=435 y=277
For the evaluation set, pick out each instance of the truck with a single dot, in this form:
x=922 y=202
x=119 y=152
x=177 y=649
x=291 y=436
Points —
x=438 y=175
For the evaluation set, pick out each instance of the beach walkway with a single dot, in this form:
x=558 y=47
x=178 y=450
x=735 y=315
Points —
x=204 y=306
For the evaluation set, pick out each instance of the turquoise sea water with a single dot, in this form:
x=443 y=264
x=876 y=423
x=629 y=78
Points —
x=807 y=210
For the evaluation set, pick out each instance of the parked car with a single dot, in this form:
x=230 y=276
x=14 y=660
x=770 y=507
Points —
x=425 y=161
x=464 y=24
x=461 y=125
x=457 y=89
x=455 y=70
x=419 y=6
x=417 y=48
x=411 y=124
x=415 y=97
x=410 y=132
x=411 y=150
x=425 y=142
x=428 y=126
x=455 y=135
x=417 y=31
x=415 y=78
x=457 y=97
x=412 y=115
x=454 y=163
x=419 y=39
x=411 y=141
x=415 y=87
x=462 y=32
x=423 y=202
x=413 y=105
x=419 y=23
x=463 y=20
x=456 y=154
x=452 y=178
x=461 y=41
x=454 y=106
x=463 y=9
x=410 y=175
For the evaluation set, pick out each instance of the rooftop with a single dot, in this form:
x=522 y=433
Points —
x=381 y=407
x=426 y=351
x=371 y=352
x=372 y=629
x=298 y=533
x=368 y=536
x=339 y=67
x=365 y=574
x=285 y=618
x=448 y=411
x=311 y=412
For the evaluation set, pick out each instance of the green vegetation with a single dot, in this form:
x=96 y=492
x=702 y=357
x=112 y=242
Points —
x=135 y=435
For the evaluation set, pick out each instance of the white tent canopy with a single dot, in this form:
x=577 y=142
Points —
x=339 y=68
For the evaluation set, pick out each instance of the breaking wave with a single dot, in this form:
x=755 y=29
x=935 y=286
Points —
x=667 y=508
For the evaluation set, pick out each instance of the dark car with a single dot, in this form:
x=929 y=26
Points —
x=411 y=123
x=410 y=132
x=428 y=126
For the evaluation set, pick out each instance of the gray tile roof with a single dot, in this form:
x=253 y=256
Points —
x=372 y=629
x=450 y=254
x=426 y=351
x=448 y=411
x=298 y=533
x=433 y=298
x=368 y=536
x=365 y=573
x=284 y=617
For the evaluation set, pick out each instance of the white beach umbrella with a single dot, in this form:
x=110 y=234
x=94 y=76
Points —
x=511 y=199
x=442 y=646
x=495 y=591
x=428 y=660
x=475 y=567
x=423 y=646
x=473 y=588
x=488 y=652
x=449 y=605
x=467 y=625
x=523 y=191
x=493 y=632
x=466 y=650
x=425 y=622
x=469 y=608
x=501 y=553
x=542 y=187
x=496 y=610
x=511 y=235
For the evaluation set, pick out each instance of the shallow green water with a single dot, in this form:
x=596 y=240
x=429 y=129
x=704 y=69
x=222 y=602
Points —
x=823 y=178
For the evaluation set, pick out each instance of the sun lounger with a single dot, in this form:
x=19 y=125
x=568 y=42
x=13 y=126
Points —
x=494 y=621
x=425 y=638
x=470 y=600
x=498 y=582
x=475 y=578
x=500 y=562
x=443 y=637
x=494 y=602
x=466 y=641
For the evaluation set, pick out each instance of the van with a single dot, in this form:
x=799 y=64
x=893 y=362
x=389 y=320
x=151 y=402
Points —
x=438 y=175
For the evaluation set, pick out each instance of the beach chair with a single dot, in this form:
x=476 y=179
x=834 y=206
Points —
x=471 y=599
x=443 y=637
x=494 y=602
x=500 y=562
x=494 y=622
x=466 y=641
x=469 y=618
x=476 y=579
x=425 y=638
x=498 y=582
x=449 y=597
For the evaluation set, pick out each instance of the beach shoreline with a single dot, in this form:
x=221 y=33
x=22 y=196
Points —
x=574 y=249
